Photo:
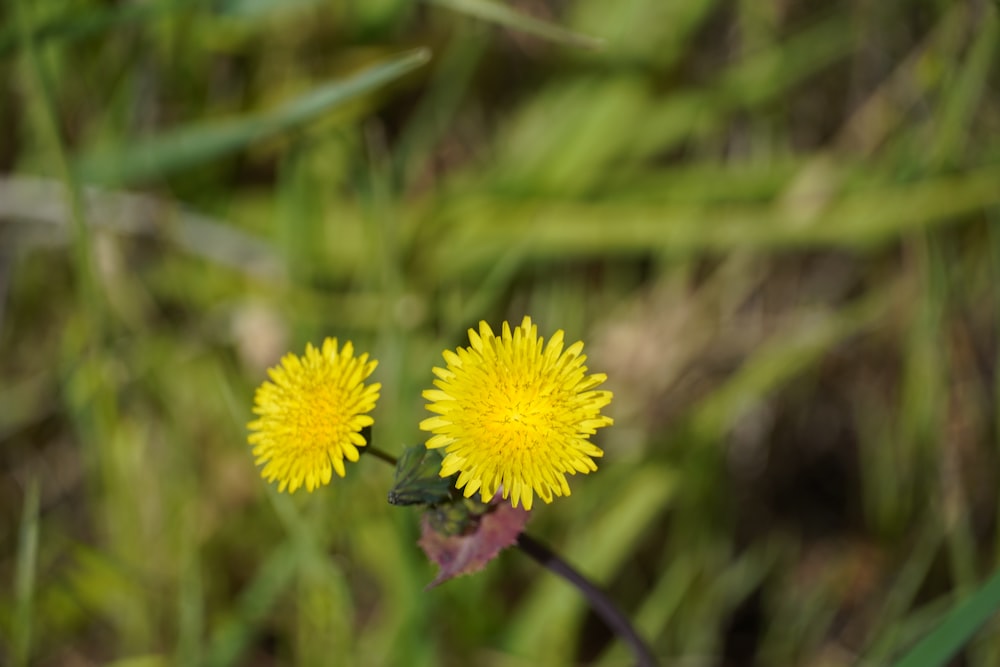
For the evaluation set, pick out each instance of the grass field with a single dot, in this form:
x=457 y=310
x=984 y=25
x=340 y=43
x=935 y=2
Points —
x=775 y=225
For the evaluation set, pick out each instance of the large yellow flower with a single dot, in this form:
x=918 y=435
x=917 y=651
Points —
x=310 y=415
x=511 y=413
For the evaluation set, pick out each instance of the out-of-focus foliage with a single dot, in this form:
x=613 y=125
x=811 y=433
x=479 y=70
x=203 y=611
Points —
x=775 y=225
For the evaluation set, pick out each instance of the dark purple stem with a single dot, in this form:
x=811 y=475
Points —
x=598 y=599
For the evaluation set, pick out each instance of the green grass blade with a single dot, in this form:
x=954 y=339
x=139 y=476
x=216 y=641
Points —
x=965 y=95
x=956 y=629
x=42 y=106
x=24 y=577
x=885 y=632
x=273 y=578
x=127 y=215
x=196 y=144
x=90 y=20
x=500 y=14
x=860 y=218
x=782 y=358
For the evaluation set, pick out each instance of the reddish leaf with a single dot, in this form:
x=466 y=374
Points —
x=456 y=555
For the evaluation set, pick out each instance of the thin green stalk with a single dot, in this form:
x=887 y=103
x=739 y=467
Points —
x=379 y=454
x=48 y=127
x=24 y=578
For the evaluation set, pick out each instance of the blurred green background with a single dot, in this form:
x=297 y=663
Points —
x=776 y=225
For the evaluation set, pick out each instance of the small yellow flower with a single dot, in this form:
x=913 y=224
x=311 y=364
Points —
x=311 y=414
x=511 y=413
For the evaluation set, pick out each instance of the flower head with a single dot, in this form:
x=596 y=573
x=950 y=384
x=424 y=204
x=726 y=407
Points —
x=310 y=415
x=514 y=413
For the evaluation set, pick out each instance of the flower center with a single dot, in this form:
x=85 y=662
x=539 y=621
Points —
x=319 y=419
x=518 y=417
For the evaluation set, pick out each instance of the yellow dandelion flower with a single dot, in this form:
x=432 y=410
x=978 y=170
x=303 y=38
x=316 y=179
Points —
x=514 y=414
x=310 y=415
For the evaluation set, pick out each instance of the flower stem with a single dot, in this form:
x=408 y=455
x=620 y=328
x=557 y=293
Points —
x=379 y=454
x=598 y=599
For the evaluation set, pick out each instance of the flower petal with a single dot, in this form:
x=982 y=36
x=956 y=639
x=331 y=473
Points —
x=514 y=413
x=310 y=415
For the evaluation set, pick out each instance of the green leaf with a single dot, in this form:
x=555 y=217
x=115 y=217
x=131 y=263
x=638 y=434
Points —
x=196 y=144
x=956 y=629
x=418 y=481
x=501 y=14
